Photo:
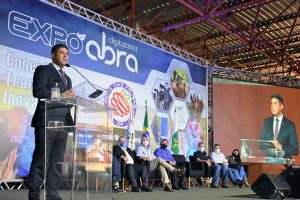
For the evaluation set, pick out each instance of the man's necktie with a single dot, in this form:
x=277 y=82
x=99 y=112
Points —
x=276 y=129
x=63 y=77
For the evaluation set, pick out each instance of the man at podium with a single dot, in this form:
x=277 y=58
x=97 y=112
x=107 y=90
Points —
x=279 y=129
x=44 y=79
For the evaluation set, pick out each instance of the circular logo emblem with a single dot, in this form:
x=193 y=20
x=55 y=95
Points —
x=119 y=97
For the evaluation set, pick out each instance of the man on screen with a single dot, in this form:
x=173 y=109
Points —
x=280 y=129
x=45 y=77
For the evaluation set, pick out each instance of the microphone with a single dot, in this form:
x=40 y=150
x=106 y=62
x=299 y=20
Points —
x=94 y=94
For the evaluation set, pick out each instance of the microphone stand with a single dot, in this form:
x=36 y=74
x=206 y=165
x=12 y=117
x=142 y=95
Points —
x=94 y=94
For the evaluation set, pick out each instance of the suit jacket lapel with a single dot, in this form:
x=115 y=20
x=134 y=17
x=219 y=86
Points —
x=61 y=85
x=271 y=128
x=282 y=126
x=69 y=82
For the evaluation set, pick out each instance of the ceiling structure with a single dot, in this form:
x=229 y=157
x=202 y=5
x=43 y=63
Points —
x=253 y=35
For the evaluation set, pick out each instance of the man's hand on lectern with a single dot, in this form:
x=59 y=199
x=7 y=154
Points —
x=69 y=93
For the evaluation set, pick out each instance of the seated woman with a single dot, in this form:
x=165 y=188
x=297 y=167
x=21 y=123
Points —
x=234 y=162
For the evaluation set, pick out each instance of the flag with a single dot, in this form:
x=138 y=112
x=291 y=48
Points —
x=146 y=123
x=130 y=135
x=175 y=143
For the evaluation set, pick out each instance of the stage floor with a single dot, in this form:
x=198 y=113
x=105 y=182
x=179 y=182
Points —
x=195 y=193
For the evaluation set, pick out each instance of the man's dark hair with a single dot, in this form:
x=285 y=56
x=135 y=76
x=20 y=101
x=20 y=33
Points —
x=164 y=140
x=57 y=46
x=200 y=143
x=277 y=96
x=217 y=145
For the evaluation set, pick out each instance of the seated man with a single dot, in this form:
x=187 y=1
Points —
x=219 y=159
x=145 y=154
x=95 y=150
x=201 y=156
x=122 y=152
x=164 y=153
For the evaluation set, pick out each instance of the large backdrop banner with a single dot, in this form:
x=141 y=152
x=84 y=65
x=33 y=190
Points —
x=127 y=67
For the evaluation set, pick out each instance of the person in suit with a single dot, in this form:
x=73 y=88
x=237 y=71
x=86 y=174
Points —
x=45 y=77
x=280 y=129
x=124 y=154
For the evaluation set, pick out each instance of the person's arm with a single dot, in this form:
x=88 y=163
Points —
x=265 y=135
x=225 y=161
x=140 y=154
x=91 y=153
x=171 y=158
x=213 y=157
x=292 y=148
x=201 y=158
x=118 y=152
x=158 y=153
x=40 y=83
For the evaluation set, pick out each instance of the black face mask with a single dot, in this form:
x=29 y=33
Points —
x=164 y=146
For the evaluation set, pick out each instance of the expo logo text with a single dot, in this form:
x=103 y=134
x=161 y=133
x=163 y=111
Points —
x=30 y=28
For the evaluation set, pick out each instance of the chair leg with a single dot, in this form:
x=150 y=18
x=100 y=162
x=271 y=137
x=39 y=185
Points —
x=123 y=183
x=151 y=183
x=97 y=182
x=189 y=182
x=203 y=181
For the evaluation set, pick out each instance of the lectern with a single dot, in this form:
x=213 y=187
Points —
x=83 y=175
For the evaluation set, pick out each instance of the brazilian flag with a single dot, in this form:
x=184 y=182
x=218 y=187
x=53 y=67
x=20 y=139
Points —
x=146 y=125
x=175 y=143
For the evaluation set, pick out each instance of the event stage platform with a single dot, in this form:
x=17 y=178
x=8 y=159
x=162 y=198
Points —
x=195 y=193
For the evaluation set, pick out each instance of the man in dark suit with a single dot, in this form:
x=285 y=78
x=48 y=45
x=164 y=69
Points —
x=280 y=129
x=124 y=155
x=44 y=79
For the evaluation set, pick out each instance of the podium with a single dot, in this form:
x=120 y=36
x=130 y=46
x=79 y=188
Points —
x=262 y=156
x=263 y=151
x=77 y=167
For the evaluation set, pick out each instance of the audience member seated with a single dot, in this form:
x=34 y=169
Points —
x=221 y=168
x=201 y=156
x=234 y=161
x=145 y=154
x=164 y=153
x=217 y=170
x=219 y=159
x=122 y=153
x=95 y=150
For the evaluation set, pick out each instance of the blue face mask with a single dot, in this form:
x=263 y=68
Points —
x=122 y=144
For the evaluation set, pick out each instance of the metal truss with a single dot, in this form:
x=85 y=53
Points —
x=96 y=17
x=255 y=77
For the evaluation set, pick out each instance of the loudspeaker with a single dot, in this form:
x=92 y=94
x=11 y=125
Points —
x=269 y=186
x=292 y=176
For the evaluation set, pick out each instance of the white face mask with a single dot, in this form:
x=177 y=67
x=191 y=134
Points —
x=97 y=142
x=145 y=143
x=201 y=149
x=217 y=150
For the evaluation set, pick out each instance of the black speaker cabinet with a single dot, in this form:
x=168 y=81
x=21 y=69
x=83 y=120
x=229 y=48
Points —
x=292 y=176
x=269 y=186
